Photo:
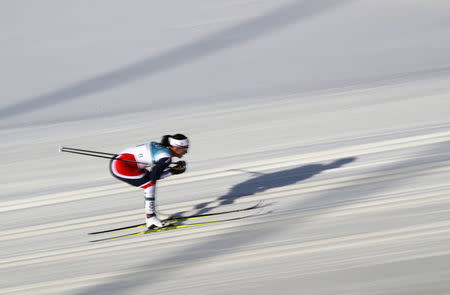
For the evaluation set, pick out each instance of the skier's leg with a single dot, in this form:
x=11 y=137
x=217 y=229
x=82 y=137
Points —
x=142 y=179
x=152 y=219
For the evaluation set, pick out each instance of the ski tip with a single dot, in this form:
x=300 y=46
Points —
x=61 y=149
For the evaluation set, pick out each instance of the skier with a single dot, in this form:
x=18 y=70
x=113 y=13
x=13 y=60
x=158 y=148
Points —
x=147 y=164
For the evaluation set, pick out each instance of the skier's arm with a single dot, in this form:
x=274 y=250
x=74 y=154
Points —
x=160 y=169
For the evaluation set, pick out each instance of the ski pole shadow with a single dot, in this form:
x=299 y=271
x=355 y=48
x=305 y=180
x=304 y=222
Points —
x=263 y=182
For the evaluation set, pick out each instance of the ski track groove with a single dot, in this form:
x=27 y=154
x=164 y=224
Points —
x=293 y=190
x=352 y=209
x=388 y=145
x=287 y=251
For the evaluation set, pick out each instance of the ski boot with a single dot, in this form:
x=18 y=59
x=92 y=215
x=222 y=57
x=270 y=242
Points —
x=152 y=221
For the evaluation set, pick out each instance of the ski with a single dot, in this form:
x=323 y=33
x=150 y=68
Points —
x=170 y=227
x=174 y=219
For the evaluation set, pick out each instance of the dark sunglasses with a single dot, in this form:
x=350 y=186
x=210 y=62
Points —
x=185 y=148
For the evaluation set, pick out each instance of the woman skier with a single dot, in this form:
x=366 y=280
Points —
x=145 y=164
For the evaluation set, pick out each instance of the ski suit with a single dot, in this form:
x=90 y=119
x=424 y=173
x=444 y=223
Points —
x=153 y=164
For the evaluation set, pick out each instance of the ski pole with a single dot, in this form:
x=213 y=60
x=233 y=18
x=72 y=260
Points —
x=98 y=155
x=66 y=149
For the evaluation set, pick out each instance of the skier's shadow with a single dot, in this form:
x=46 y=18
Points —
x=263 y=182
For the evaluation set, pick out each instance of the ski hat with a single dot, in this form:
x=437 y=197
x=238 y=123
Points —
x=179 y=142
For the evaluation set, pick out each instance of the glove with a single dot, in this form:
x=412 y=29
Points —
x=179 y=168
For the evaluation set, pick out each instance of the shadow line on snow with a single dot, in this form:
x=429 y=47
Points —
x=285 y=15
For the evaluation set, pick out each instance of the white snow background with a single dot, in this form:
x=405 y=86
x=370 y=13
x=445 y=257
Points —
x=335 y=114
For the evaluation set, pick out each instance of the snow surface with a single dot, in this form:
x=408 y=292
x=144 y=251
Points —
x=335 y=114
